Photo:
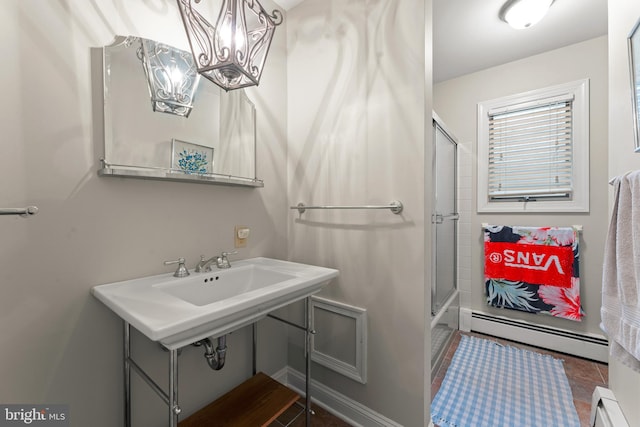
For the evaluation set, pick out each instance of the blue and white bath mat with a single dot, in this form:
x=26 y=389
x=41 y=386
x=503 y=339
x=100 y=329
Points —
x=491 y=385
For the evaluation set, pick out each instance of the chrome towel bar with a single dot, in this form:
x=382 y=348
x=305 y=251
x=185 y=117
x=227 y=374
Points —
x=576 y=227
x=25 y=212
x=395 y=206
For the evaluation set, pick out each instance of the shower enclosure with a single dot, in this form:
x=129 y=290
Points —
x=444 y=219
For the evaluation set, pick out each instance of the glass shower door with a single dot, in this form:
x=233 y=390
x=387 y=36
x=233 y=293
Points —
x=444 y=217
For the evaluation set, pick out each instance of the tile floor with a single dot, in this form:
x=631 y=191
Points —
x=584 y=376
x=321 y=418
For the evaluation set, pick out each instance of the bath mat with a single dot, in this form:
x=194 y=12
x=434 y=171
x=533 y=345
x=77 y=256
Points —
x=491 y=385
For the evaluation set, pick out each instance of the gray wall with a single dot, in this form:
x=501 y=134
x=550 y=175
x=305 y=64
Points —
x=59 y=344
x=456 y=101
x=359 y=100
x=623 y=14
x=359 y=91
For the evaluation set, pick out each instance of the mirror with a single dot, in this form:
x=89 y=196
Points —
x=214 y=142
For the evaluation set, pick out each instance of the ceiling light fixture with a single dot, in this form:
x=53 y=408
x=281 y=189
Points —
x=524 y=13
x=233 y=52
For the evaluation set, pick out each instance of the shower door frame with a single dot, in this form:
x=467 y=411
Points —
x=436 y=216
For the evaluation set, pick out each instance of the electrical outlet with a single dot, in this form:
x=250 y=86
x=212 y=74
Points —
x=241 y=234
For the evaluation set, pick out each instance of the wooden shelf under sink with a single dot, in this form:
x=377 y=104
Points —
x=256 y=402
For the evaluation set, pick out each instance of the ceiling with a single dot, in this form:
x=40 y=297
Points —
x=468 y=36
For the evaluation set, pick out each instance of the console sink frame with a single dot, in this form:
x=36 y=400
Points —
x=171 y=398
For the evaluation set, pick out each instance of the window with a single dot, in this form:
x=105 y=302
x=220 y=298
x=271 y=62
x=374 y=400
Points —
x=533 y=151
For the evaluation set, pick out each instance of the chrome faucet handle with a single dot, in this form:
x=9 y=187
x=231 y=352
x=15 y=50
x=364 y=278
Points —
x=181 y=271
x=223 y=261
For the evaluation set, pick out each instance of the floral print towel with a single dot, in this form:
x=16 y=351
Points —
x=533 y=269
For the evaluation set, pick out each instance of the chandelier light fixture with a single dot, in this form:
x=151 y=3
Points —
x=172 y=77
x=233 y=52
x=524 y=13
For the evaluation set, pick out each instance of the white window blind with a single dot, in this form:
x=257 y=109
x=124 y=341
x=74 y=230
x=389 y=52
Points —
x=531 y=150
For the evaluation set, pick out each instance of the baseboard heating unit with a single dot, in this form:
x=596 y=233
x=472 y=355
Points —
x=605 y=411
x=589 y=346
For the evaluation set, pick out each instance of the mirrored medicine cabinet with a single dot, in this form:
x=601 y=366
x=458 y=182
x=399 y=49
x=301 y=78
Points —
x=214 y=142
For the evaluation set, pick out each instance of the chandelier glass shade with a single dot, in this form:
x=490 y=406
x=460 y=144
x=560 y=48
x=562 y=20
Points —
x=172 y=77
x=232 y=52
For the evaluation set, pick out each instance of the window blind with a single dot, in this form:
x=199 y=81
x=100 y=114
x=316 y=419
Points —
x=531 y=150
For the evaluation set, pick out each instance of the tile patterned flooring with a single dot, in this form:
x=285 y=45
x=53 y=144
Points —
x=584 y=376
x=321 y=418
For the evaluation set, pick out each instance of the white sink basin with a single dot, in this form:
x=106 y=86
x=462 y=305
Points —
x=207 y=288
x=180 y=311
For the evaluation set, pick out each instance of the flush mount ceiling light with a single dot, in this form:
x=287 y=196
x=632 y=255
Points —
x=171 y=77
x=233 y=52
x=524 y=13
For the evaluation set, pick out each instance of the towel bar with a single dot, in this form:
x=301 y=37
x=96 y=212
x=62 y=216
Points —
x=24 y=212
x=577 y=228
x=395 y=206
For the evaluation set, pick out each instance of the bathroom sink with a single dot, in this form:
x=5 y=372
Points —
x=179 y=311
x=207 y=288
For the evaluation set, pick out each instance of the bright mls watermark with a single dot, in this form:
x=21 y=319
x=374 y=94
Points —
x=34 y=415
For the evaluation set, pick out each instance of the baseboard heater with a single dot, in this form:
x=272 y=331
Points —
x=589 y=346
x=605 y=410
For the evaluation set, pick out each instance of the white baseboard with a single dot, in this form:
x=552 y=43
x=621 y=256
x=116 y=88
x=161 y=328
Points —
x=590 y=346
x=330 y=400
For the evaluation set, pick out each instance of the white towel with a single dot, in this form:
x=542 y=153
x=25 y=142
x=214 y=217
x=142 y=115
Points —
x=621 y=272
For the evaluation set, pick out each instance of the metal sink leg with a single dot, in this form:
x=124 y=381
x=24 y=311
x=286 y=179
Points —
x=171 y=398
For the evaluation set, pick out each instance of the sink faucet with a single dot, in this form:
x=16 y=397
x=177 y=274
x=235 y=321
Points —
x=221 y=262
x=205 y=264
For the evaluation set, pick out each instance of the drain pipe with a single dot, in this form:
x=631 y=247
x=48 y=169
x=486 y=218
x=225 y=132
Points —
x=216 y=358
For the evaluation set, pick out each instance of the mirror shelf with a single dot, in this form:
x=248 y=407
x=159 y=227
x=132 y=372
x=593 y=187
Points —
x=163 y=174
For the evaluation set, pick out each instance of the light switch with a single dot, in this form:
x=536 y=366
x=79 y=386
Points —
x=241 y=236
x=243 y=233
